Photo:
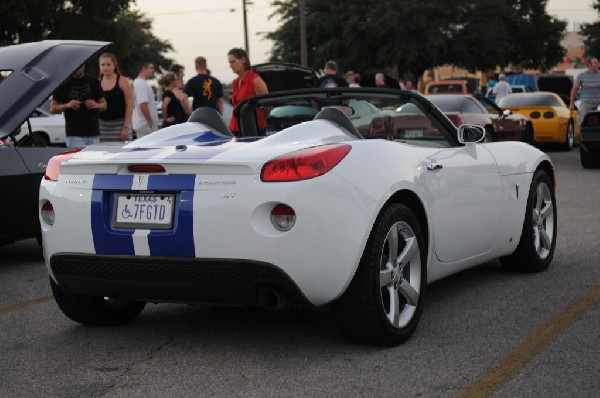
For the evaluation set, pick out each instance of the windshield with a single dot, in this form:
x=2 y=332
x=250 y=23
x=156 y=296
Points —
x=456 y=104
x=528 y=100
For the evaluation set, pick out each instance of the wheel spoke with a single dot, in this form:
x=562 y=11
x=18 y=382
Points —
x=395 y=310
x=409 y=252
x=392 y=239
x=409 y=293
x=545 y=242
x=539 y=196
x=385 y=277
x=546 y=211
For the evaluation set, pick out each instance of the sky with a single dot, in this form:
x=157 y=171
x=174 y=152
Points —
x=212 y=27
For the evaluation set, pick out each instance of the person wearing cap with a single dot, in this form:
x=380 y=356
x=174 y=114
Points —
x=502 y=88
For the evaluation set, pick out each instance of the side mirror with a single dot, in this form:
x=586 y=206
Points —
x=507 y=112
x=470 y=133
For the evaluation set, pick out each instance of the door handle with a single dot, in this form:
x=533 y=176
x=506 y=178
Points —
x=434 y=166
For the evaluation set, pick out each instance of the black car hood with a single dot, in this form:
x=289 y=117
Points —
x=37 y=69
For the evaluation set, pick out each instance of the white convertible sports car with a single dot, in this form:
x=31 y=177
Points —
x=314 y=215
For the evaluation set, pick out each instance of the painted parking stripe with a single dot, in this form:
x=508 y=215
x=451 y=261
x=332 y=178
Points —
x=25 y=304
x=503 y=370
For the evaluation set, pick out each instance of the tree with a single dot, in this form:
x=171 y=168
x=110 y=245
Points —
x=110 y=20
x=591 y=31
x=411 y=36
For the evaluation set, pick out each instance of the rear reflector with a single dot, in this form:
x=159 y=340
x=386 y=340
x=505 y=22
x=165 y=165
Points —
x=48 y=213
x=283 y=217
x=304 y=164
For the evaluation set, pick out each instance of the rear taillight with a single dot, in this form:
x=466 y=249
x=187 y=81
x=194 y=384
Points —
x=283 y=217
x=146 y=168
x=304 y=164
x=591 y=120
x=455 y=119
x=53 y=168
x=48 y=213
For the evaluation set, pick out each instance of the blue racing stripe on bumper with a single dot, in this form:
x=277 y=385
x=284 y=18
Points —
x=106 y=240
x=178 y=242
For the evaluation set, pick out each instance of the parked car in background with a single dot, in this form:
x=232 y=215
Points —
x=46 y=128
x=286 y=75
x=558 y=84
x=589 y=146
x=500 y=125
x=446 y=87
x=552 y=119
x=31 y=72
x=521 y=88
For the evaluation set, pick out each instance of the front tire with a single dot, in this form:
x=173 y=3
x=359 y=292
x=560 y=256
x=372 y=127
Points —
x=384 y=302
x=102 y=311
x=538 y=237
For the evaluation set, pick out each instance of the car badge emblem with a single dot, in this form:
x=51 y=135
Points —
x=140 y=181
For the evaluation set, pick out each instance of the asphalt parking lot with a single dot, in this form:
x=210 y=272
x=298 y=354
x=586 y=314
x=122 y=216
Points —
x=484 y=332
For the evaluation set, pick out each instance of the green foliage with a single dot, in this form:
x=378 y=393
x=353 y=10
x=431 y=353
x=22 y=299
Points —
x=108 y=20
x=591 y=31
x=409 y=37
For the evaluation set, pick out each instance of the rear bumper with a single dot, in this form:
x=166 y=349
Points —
x=590 y=138
x=162 y=279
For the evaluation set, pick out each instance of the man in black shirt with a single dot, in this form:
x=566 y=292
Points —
x=80 y=98
x=206 y=90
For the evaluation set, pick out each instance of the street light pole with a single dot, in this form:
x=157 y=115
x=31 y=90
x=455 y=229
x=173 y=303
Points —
x=247 y=48
x=303 y=50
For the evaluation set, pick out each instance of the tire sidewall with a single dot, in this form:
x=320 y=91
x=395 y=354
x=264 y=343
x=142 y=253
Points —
x=393 y=214
x=537 y=263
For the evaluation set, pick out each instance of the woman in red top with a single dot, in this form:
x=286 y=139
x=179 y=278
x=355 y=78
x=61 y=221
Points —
x=248 y=83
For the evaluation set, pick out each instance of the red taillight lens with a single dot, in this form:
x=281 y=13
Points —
x=53 y=168
x=591 y=120
x=304 y=164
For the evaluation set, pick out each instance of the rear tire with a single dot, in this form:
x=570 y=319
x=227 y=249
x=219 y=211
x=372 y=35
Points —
x=384 y=302
x=587 y=159
x=538 y=237
x=102 y=311
x=569 y=137
x=40 y=140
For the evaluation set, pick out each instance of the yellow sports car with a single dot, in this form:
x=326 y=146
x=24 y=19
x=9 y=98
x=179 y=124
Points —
x=552 y=120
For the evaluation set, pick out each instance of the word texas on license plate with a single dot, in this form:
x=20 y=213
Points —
x=145 y=211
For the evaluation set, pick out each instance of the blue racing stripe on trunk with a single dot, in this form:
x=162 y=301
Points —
x=106 y=240
x=180 y=241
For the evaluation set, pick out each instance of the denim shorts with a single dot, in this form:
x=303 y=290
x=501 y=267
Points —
x=79 y=141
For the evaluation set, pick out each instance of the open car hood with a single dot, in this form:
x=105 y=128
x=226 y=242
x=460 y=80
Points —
x=286 y=76
x=36 y=70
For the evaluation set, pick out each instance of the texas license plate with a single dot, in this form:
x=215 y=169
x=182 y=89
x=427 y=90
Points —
x=144 y=211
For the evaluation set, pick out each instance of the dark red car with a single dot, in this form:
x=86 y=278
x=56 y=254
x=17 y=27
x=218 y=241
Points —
x=499 y=124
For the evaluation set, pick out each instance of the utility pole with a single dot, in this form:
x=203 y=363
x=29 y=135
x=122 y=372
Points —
x=303 y=45
x=247 y=48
